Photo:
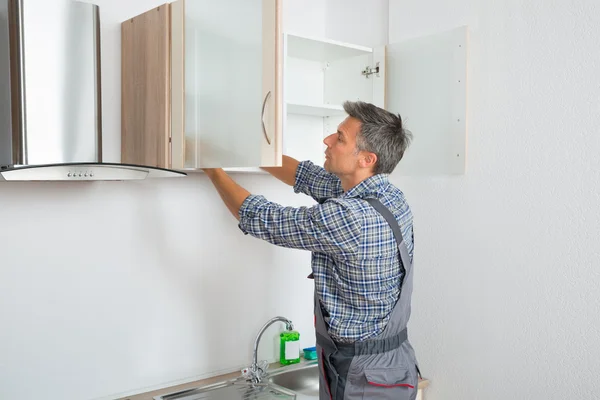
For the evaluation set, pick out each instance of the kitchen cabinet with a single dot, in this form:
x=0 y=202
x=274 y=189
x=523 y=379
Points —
x=319 y=76
x=224 y=86
x=202 y=85
x=423 y=79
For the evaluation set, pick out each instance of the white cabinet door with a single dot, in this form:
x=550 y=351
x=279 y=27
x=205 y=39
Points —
x=227 y=83
x=426 y=84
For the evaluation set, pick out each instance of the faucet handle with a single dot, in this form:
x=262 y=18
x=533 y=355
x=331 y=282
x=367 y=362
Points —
x=255 y=373
x=247 y=374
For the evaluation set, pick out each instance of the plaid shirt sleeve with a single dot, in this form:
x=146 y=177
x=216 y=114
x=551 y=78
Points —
x=316 y=182
x=330 y=228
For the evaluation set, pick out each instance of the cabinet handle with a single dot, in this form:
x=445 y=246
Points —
x=262 y=117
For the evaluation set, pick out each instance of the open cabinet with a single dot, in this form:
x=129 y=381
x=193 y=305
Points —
x=422 y=79
x=199 y=92
x=319 y=76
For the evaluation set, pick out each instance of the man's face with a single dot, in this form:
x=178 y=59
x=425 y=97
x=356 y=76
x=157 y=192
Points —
x=342 y=156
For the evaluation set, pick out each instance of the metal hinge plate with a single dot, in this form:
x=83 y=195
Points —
x=368 y=71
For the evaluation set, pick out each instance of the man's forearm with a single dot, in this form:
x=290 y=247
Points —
x=287 y=172
x=233 y=195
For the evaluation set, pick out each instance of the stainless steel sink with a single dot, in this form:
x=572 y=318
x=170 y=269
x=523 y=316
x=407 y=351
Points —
x=302 y=379
x=232 y=390
x=300 y=382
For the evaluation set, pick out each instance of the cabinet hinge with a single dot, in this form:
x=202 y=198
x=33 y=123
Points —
x=371 y=71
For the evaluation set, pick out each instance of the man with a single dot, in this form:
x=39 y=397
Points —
x=360 y=236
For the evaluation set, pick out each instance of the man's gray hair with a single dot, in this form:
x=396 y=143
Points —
x=381 y=132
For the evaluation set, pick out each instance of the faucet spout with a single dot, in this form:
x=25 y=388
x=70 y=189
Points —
x=256 y=373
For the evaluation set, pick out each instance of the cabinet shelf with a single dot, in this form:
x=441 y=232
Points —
x=323 y=50
x=316 y=110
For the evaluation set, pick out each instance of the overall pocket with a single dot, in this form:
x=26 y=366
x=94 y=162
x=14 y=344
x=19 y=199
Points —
x=390 y=384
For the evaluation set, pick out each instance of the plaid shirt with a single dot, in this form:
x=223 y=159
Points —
x=355 y=258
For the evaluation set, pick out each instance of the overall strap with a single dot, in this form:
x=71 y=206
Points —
x=391 y=220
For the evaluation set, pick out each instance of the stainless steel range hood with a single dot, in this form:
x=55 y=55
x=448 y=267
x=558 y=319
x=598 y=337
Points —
x=50 y=103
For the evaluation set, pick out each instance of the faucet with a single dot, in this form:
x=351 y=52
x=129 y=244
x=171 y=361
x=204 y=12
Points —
x=256 y=373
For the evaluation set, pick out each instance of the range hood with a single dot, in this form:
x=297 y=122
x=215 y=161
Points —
x=50 y=103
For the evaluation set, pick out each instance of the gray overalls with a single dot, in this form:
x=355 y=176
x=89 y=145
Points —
x=381 y=368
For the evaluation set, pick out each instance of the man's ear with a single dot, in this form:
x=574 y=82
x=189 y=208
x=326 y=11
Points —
x=368 y=160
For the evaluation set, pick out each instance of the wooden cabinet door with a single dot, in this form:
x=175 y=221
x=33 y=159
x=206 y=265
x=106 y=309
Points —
x=226 y=83
x=145 y=107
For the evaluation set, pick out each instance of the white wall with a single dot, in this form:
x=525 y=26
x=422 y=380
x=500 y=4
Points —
x=506 y=301
x=108 y=289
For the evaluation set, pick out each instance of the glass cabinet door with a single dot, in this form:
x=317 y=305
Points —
x=226 y=82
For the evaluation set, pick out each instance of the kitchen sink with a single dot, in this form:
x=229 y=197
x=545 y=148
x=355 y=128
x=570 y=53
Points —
x=232 y=390
x=302 y=379
x=300 y=382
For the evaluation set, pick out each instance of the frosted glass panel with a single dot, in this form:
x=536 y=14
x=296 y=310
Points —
x=223 y=70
